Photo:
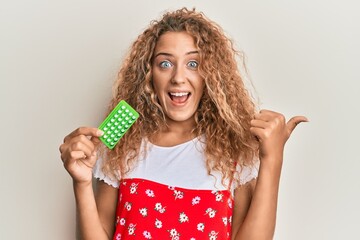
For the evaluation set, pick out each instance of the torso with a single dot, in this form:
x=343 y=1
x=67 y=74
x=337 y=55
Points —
x=170 y=195
x=150 y=210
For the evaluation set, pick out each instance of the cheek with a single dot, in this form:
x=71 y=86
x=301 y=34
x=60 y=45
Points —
x=158 y=88
x=201 y=86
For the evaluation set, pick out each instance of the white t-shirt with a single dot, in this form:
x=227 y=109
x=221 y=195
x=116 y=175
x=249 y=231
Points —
x=182 y=166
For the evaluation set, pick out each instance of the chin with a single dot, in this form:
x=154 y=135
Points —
x=181 y=117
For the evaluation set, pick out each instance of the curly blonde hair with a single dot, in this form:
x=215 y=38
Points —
x=225 y=110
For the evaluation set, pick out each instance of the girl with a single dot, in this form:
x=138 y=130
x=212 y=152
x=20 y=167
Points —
x=199 y=163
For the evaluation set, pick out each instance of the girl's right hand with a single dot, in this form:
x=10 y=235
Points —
x=78 y=153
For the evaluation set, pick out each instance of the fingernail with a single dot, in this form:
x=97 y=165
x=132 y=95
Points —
x=99 y=132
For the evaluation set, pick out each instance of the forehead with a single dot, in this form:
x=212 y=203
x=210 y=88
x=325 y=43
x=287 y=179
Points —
x=177 y=42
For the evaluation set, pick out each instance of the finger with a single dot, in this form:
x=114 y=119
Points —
x=266 y=115
x=95 y=141
x=73 y=155
x=258 y=132
x=61 y=148
x=294 y=121
x=85 y=140
x=259 y=123
x=77 y=155
x=90 y=161
x=87 y=131
x=81 y=146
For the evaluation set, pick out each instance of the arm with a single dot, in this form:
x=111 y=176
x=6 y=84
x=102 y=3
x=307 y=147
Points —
x=95 y=215
x=255 y=206
x=242 y=200
x=106 y=198
x=257 y=217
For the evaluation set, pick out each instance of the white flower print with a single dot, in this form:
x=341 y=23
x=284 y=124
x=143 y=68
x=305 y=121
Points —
x=230 y=203
x=118 y=236
x=171 y=188
x=211 y=212
x=122 y=221
x=178 y=194
x=127 y=206
x=143 y=211
x=201 y=227
x=159 y=208
x=183 y=218
x=158 y=223
x=195 y=200
x=192 y=239
x=213 y=235
x=219 y=197
x=174 y=234
x=131 y=229
x=133 y=188
x=225 y=220
x=149 y=193
x=147 y=234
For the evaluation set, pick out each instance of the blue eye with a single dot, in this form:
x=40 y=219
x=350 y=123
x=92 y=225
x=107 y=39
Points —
x=193 y=64
x=165 y=64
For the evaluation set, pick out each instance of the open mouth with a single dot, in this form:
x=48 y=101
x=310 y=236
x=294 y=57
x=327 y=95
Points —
x=179 y=97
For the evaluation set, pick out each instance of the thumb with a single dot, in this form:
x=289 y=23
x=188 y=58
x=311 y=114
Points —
x=294 y=121
x=95 y=139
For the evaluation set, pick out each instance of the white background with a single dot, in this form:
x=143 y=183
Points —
x=60 y=58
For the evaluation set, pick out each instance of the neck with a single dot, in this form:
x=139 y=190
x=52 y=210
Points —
x=175 y=133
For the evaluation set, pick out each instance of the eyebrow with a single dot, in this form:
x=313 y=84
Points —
x=170 y=55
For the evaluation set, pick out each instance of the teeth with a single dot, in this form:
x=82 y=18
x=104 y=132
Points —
x=179 y=94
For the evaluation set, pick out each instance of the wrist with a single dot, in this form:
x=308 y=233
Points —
x=272 y=163
x=82 y=184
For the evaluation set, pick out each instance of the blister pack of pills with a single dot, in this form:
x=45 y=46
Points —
x=117 y=123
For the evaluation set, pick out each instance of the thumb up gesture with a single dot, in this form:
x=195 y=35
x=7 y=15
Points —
x=272 y=131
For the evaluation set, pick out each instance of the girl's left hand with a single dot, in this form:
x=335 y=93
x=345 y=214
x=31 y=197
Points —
x=273 y=131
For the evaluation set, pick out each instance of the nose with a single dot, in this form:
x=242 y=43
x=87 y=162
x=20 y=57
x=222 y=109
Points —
x=179 y=75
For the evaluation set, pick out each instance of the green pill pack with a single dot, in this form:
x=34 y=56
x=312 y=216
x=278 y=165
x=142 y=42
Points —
x=116 y=124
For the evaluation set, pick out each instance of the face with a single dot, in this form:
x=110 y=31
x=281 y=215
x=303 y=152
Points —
x=177 y=82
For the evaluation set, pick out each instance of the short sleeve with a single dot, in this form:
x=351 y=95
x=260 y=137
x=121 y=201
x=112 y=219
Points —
x=99 y=174
x=245 y=174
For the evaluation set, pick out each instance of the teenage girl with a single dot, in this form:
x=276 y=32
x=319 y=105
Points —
x=199 y=163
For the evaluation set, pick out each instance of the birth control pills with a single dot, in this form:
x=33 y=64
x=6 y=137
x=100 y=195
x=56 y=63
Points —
x=121 y=118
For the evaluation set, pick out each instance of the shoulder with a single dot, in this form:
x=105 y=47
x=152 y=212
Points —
x=99 y=174
x=247 y=173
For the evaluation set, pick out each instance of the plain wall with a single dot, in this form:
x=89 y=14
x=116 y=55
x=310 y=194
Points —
x=60 y=58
